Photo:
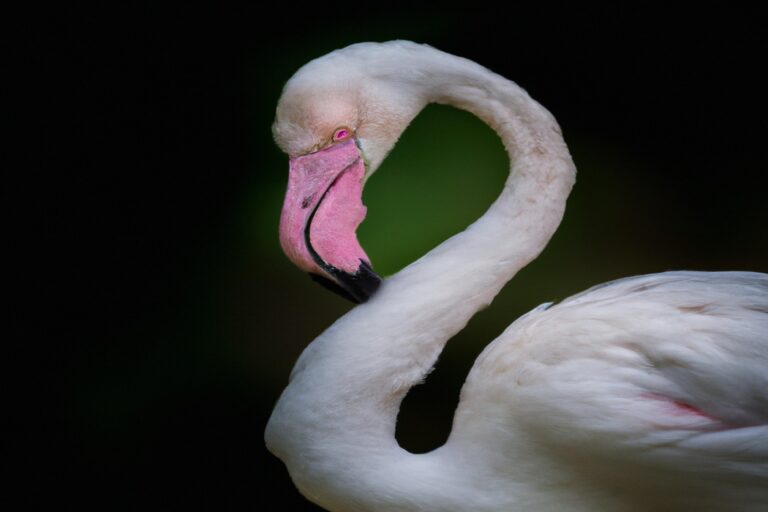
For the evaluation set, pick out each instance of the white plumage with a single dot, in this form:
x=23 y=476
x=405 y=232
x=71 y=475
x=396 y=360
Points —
x=647 y=393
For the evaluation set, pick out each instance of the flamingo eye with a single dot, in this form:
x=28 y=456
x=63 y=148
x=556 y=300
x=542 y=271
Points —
x=341 y=134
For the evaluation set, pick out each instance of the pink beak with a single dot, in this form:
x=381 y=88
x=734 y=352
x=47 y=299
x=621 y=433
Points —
x=323 y=208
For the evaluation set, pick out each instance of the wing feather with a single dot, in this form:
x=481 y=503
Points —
x=668 y=368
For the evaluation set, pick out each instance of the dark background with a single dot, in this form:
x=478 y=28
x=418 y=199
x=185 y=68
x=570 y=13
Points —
x=158 y=298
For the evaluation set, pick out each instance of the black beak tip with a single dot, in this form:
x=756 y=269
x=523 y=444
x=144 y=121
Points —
x=357 y=287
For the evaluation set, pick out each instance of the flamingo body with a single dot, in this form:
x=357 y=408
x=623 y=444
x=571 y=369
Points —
x=647 y=393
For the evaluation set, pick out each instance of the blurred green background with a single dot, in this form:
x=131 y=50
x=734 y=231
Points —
x=182 y=316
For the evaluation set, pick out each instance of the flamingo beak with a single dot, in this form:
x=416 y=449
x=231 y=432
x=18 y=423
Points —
x=323 y=208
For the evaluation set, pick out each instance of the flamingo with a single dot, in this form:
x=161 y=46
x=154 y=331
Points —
x=646 y=393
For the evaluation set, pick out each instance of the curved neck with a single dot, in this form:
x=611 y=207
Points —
x=334 y=426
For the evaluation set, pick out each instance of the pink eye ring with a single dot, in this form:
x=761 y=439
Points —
x=341 y=134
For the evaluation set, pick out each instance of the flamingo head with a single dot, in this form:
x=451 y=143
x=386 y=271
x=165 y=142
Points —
x=337 y=123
